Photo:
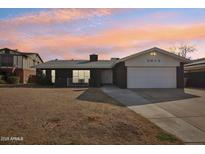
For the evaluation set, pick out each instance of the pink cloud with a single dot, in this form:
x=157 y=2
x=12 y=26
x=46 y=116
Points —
x=57 y=16
x=118 y=40
x=164 y=15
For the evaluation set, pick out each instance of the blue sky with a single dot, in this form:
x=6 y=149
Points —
x=75 y=33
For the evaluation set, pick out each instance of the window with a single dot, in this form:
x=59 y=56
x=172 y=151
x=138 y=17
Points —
x=7 y=51
x=87 y=76
x=53 y=76
x=75 y=76
x=7 y=60
x=44 y=72
x=81 y=76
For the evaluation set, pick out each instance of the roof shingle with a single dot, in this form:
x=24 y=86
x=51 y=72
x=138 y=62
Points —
x=77 y=64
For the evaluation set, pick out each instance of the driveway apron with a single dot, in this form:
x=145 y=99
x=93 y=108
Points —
x=183 y=118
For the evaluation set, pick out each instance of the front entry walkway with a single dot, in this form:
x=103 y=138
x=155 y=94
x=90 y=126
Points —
x=183 y=118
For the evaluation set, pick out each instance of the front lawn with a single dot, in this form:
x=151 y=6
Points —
x=72 y=116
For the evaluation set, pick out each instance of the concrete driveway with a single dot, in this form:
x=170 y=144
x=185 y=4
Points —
x=184 y=118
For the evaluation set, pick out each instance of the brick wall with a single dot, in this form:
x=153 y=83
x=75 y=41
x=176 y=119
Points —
x=26 y=75
x=29 y=75
x=19 y=73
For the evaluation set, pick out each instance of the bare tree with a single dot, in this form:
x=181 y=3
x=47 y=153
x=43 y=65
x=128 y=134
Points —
x=183 y=50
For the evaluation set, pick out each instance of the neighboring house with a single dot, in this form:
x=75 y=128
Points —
x=18 y=63
x=195 y=73
x=153 y=68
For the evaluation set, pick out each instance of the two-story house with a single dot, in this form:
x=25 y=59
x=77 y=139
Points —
x=19 y=63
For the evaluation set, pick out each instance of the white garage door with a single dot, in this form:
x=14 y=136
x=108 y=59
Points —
x=151 y=77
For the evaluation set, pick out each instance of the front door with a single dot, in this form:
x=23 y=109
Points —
x=106 y=76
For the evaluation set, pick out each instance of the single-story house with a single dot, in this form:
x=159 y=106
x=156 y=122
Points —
x=195 y=73
x=152 y=68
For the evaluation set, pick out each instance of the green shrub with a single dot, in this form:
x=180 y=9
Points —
x=166 y=137
x=13 y=79
x=42 y=80
x=32 y=79
x=2 y=81
x=2 y=77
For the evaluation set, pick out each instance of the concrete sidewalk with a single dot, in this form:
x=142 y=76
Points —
x=182 y=118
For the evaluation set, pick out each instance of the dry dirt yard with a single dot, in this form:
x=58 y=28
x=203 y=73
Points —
x=73 y=116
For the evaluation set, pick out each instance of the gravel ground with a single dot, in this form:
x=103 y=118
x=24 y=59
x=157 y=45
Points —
x=72 y=116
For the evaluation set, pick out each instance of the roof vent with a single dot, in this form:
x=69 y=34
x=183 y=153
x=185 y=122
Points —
x=93 y=57
x=114 y=59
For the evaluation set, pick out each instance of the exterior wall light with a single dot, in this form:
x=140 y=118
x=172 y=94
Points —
x=153 y=53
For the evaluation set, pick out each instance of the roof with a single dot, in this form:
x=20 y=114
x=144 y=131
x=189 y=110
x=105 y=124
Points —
x=197 y=64
x=81 y=64
x=23 y=53
x=181 y=59
x=77 y=64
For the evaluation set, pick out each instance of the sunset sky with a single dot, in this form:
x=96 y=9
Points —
x=76 y=33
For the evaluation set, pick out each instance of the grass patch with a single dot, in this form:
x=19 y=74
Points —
x=93 y=118
x=2 y=81
x=55 y=120
x=61 y=117
x=166 y=137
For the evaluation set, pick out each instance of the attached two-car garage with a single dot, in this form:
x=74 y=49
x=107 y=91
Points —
x=153 y=68
x=151 y=77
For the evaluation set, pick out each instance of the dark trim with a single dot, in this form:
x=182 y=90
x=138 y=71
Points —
x=48 y=75
x=22 y=61
x=17 y=61
x=194 y=64
x=120 y=75
x=195 y=70
x=195 y=79
x=95 y=78
x=180 y=75
x=61 y=77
